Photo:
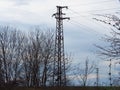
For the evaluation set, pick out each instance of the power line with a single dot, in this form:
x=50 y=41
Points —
x=88 y=14
x=84 y=16
x=93 y=3
x=88 y=19
x=84 y=27
x=87 y=28
x=107 y=9
x=79 y=14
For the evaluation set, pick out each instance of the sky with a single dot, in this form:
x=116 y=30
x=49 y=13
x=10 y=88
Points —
x=81 y=31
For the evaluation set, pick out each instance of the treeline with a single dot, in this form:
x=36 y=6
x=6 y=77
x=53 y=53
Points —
x=26 y=59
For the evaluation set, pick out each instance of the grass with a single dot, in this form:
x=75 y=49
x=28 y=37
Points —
x=63 y=88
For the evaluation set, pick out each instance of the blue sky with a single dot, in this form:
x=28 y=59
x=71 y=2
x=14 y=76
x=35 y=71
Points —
x=81 y=32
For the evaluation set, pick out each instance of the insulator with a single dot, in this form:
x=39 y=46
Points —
x=109 y=78
x=109 y=73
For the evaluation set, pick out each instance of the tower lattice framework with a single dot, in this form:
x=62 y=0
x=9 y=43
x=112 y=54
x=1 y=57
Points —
x=59 y=74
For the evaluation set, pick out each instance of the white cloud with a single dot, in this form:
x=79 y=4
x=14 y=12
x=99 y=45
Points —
x=21 y=2
x=79 y=37
x=37 y=11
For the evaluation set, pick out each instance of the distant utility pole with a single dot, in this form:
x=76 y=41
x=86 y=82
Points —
x=97 y=78
x=59 y=73
x=110 y=76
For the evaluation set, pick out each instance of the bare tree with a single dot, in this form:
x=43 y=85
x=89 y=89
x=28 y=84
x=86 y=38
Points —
x=26 y=59
x=3 y=48
x=1 y=74
x=82 y=73
x=38 y=57
x=112 y=20
x=48 y=54
x=111 y=49
x=10 y=55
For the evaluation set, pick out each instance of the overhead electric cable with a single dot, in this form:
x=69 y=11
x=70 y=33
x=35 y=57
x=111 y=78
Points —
x=93 y=3
x=118 y=8
x=84 y=27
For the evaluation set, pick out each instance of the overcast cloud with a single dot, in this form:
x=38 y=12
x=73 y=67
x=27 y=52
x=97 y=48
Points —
x=81 y=32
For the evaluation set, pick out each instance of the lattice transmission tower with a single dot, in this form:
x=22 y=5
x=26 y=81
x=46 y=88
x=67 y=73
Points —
x=59 y=73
